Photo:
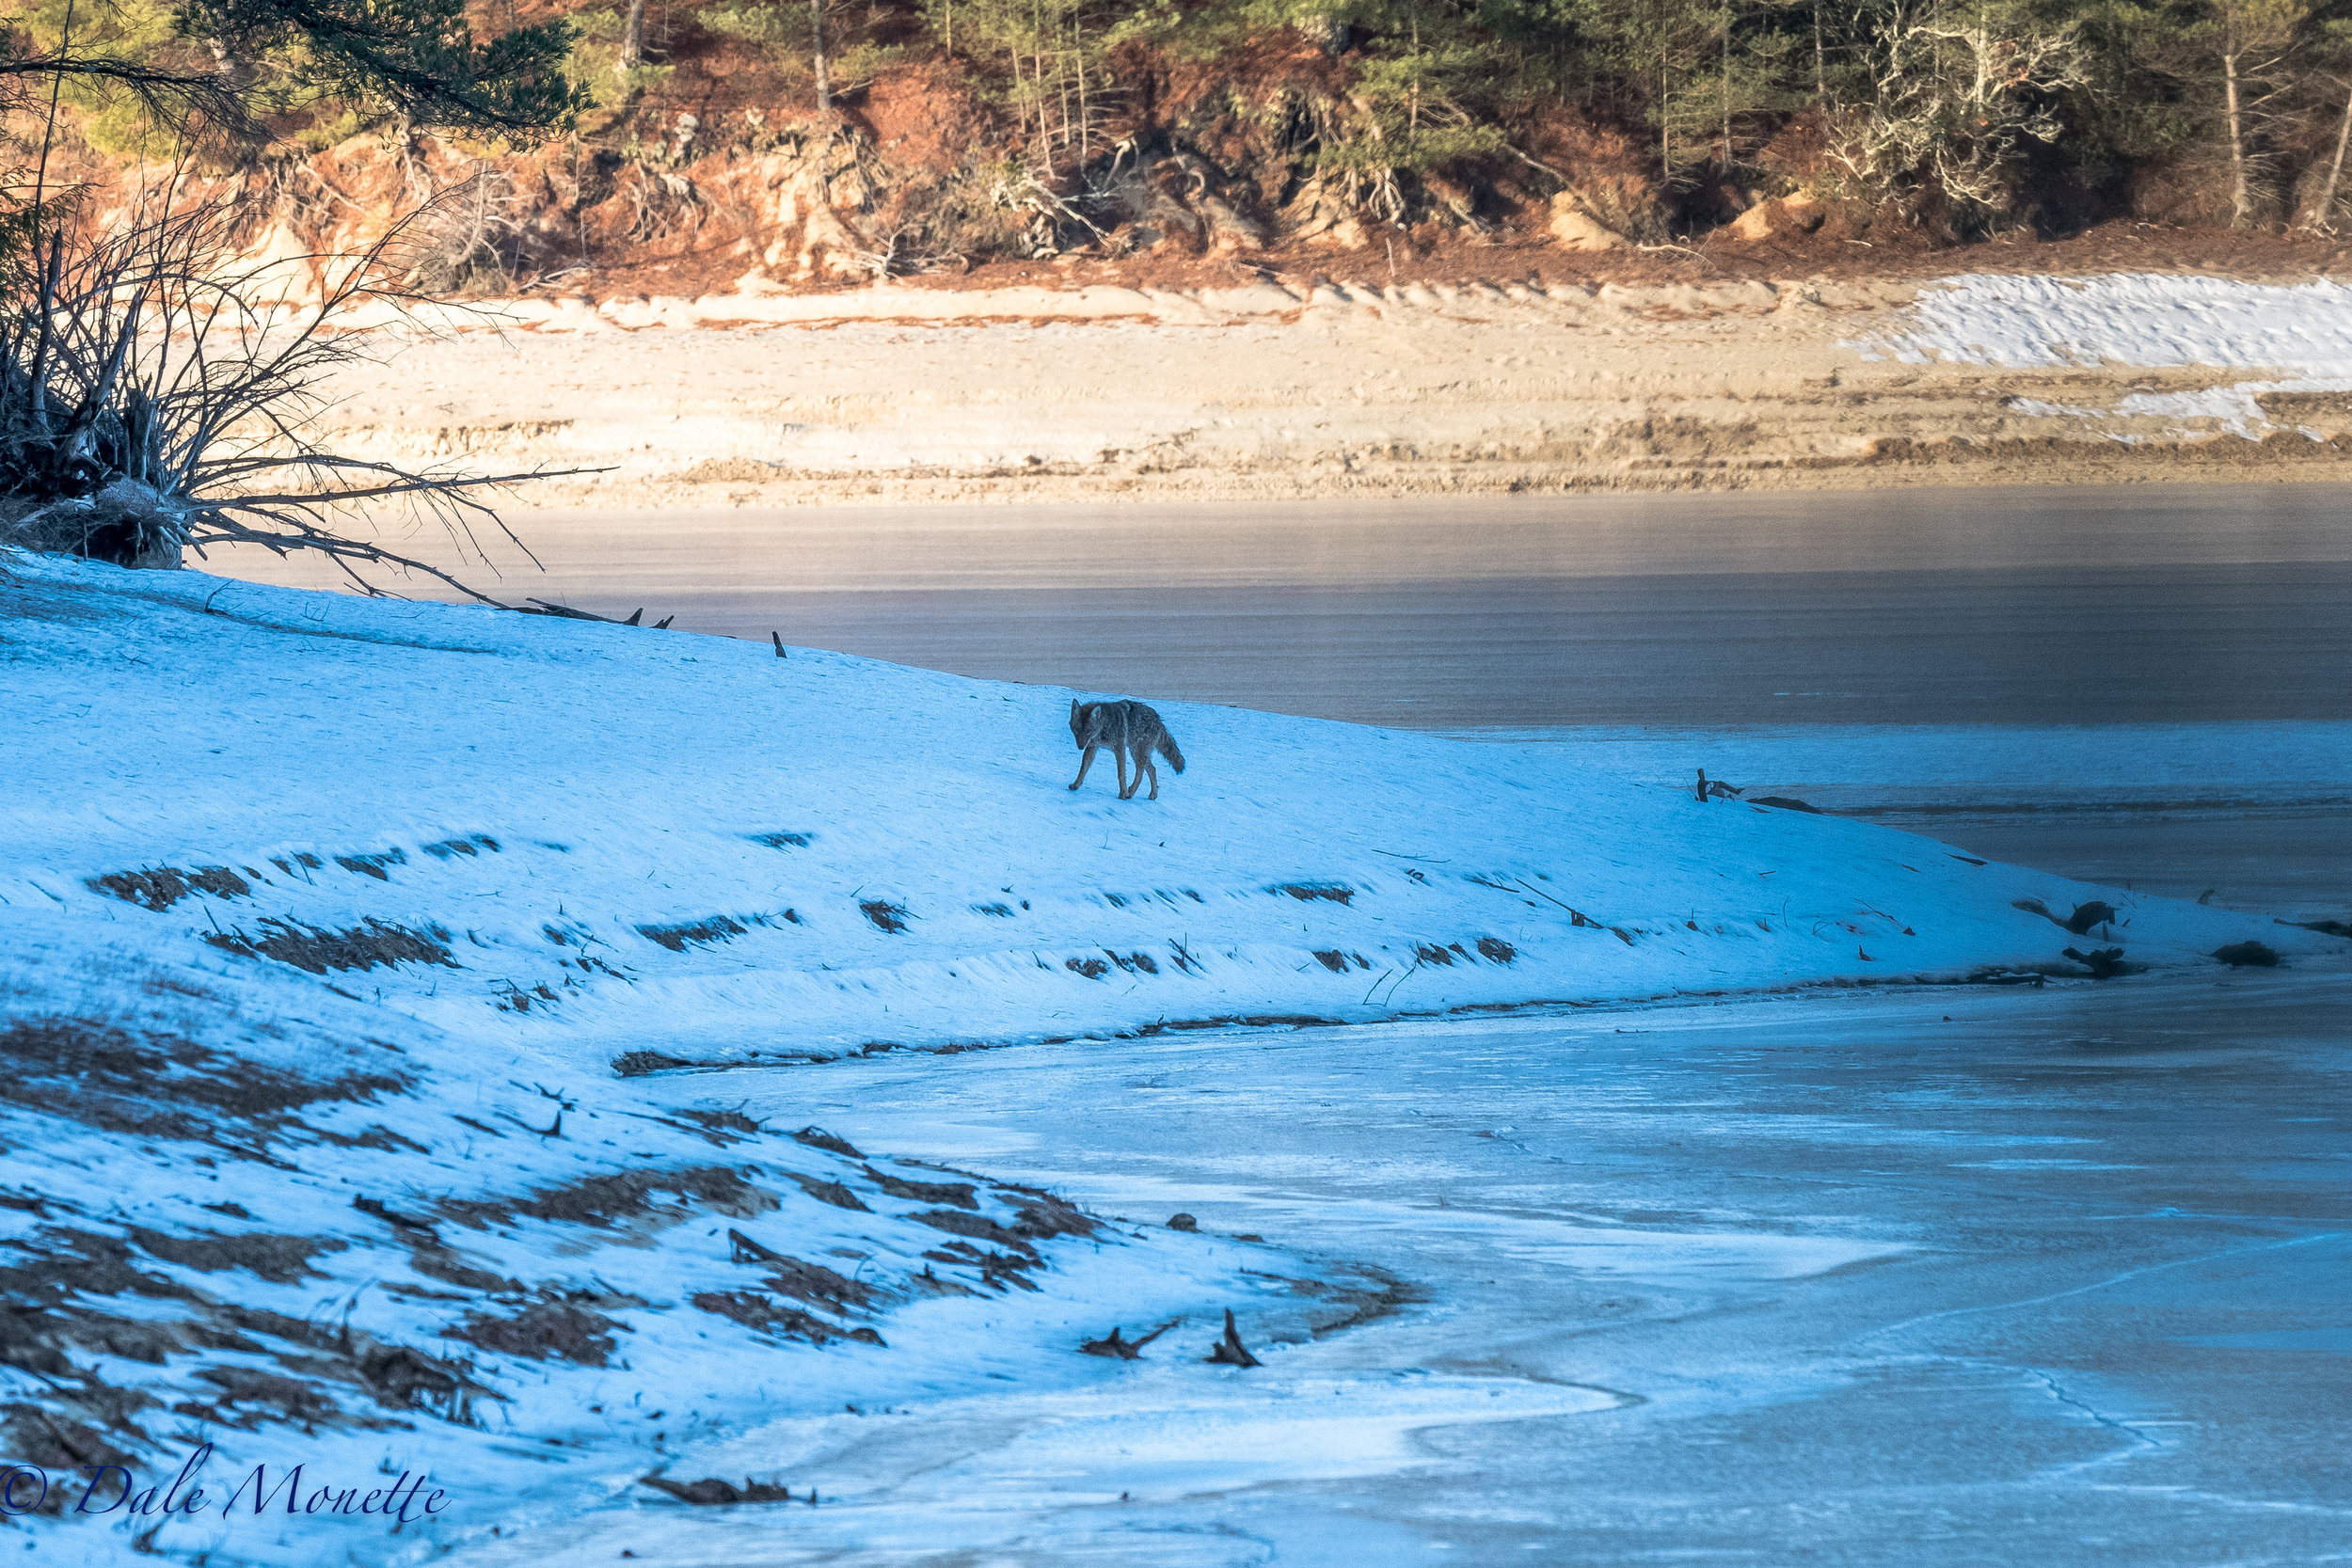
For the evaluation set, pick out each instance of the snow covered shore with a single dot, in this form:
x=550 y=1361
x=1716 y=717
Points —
x=333 y=930
x=687 y=847
x=2146 y=321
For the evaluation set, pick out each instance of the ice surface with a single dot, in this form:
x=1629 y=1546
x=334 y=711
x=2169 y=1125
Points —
x=2250 y=815
x=1787 y=1307
x=1979 y=768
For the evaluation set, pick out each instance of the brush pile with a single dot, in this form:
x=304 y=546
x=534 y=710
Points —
x=156 y=383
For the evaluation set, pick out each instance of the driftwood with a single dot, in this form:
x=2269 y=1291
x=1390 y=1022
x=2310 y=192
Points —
x=1231 y=1351
x=1786 y=802
x=711 y=1491
x=158 y=388
x=817 y=1137
x=636 y=617
x=2249 y=954
x=1518 y=885
x=1117 y=1349
x=2096 y=912
x=742 y=1249
x=1718 y=790
x=2105 y=963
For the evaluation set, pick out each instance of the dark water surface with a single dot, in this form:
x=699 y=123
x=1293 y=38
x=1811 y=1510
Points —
x=2177 y=641
x=2072 y=604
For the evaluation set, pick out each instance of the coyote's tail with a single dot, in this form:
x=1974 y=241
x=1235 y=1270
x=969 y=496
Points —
x=1168 y=749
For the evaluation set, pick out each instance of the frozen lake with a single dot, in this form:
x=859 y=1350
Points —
x=1956 y=1278
x=1953 y=1277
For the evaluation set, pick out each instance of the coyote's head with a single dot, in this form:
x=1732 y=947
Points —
x=1078 y=722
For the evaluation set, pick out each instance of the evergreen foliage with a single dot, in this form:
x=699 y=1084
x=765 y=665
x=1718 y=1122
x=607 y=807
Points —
x=143 y=65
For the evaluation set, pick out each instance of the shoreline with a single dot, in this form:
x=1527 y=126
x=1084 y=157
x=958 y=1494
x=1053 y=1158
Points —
x=903 y=396
x=1920 y=985
x=792 y=898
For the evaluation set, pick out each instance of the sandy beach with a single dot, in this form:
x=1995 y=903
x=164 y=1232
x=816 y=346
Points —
x=905 y=395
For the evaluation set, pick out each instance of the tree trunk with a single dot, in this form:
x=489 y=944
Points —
x=2321 y=213
x=824 y=82
x=1045 y=110
x=2241 y=197
x=633 y=38
x=1412 y=114
x=1821 y=72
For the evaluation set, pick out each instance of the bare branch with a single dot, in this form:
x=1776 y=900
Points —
x=156 y=393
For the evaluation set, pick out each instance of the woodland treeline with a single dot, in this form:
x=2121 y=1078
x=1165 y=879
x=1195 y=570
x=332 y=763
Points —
x=1973 y=116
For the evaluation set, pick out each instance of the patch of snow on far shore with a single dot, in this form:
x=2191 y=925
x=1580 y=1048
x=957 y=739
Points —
x=2128 y=319
x=2137 y=319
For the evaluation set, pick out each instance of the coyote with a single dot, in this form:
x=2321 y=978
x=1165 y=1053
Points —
x=1129 y=729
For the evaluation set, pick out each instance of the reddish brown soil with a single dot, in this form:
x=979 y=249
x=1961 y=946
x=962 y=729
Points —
x=1427 y=257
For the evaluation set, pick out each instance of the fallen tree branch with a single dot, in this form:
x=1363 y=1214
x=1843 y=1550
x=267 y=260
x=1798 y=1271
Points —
x=1229 y=1351
x=1112 y=1346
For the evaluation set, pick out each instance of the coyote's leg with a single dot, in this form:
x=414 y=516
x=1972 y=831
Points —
x=1119 y=756
x=1143 y=765
x=1084 y=763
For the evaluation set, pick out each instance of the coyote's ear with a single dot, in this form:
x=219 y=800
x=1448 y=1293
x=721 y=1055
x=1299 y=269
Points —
x=1074 y=707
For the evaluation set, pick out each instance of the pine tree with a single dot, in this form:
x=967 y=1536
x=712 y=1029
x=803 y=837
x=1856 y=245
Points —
x=415 y=62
